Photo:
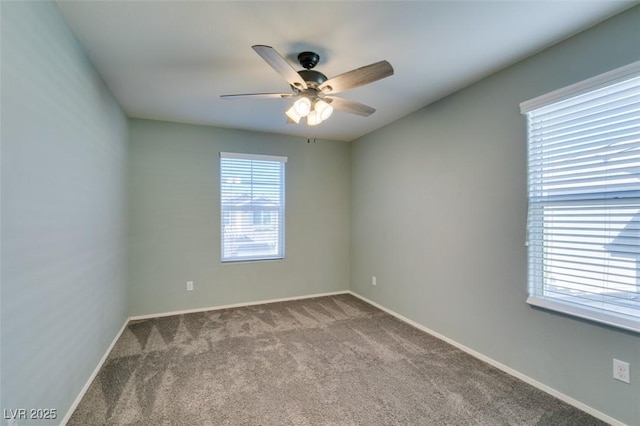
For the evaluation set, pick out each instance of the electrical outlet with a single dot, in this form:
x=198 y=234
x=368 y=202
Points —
x=621 y=370
x=373 y=281
x=189 y=285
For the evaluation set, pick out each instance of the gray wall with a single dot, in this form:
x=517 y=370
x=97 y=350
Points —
x=439 y=212
x=175 y=219
x=64 y=150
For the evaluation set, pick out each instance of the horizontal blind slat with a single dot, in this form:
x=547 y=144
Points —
x=588 y=125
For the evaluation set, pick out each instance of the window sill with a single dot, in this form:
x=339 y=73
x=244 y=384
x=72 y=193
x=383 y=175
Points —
x=582 y=312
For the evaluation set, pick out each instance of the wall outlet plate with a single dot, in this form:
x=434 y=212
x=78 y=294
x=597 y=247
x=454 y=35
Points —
x=621 y=370
x=189 y=285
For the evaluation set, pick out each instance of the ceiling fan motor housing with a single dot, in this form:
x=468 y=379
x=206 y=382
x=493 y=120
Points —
x=309 y=60
x=313 y=78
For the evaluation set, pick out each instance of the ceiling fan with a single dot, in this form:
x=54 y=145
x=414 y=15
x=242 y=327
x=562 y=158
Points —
x=314 y=92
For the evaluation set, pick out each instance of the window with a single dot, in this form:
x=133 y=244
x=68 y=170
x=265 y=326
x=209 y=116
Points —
x=584 y=199
x=252 y=206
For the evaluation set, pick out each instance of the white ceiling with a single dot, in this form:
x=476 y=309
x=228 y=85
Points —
x=172 y=60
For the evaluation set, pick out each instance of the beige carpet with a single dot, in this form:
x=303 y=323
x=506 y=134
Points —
x=325 y=361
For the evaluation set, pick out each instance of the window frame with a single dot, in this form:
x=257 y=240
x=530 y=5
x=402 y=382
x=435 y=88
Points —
x=537 y=269
x=227 y=211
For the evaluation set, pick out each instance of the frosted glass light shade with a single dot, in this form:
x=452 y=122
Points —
x=302 y=106
x=293 y=115
x=324 y=110
x=313 y=118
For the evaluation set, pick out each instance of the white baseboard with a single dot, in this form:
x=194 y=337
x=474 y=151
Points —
x=93 y=375
x=595 y=413
x=235 y=305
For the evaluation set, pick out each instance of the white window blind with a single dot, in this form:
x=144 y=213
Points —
x=252 y=201
x=584 y=199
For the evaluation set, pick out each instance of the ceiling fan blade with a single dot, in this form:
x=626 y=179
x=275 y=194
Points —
x=258 y=95
x=346 y=105
x=278 y=63
x=356 y=78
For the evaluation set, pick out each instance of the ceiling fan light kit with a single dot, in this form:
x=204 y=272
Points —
x=313 y=91
x=315 y=113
